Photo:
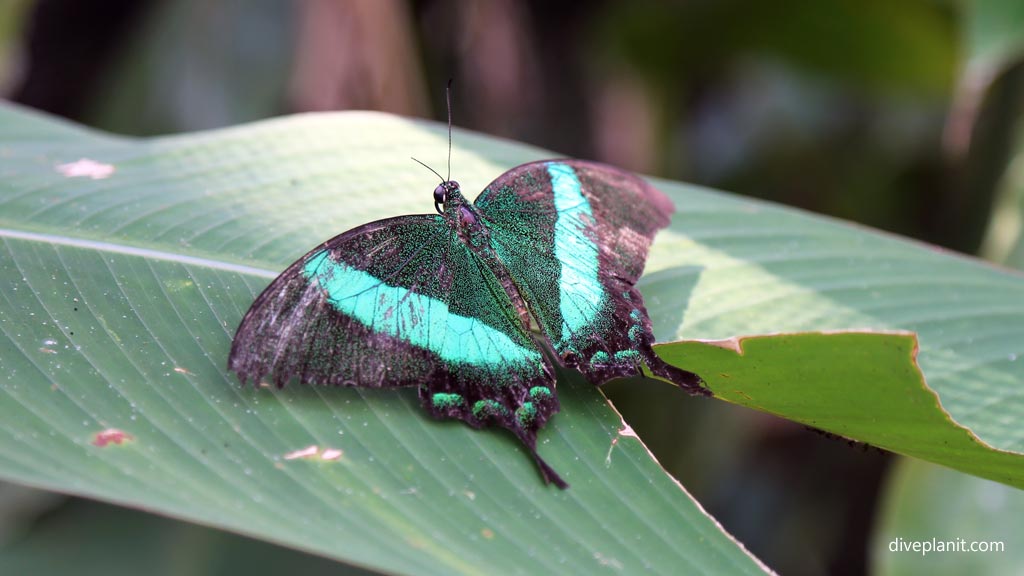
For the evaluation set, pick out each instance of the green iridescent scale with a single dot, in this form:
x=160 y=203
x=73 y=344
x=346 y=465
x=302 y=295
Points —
x=476 y=304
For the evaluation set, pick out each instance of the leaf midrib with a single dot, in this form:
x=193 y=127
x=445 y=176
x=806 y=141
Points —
x=129 y=250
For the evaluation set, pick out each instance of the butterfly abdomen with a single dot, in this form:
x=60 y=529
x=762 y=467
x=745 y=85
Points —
x=522 y=407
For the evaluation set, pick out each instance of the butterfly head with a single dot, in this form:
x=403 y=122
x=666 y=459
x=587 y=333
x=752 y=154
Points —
x=443 y=193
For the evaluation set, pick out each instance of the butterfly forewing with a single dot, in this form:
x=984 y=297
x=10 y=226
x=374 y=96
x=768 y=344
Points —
x=378 y=306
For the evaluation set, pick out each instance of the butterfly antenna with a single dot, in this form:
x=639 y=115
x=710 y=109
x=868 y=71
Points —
x=448 y=96
x=429 y=168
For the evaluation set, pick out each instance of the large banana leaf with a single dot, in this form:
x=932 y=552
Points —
x=125 y=267
x=121 y=291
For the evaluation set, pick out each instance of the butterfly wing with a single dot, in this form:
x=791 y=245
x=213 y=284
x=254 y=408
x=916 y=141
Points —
x=402 y=302
x=581 y=231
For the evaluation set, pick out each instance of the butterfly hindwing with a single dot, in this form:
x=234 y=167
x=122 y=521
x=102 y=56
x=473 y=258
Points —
x=402 y=302
x=581 y=231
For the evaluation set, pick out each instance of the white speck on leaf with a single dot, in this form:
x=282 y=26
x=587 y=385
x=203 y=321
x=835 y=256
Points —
x=110 y=436
x=309 y=452
x=86 y=168
x=303 y=453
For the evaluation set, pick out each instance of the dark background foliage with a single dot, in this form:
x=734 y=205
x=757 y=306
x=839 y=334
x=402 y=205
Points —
x=864 y=110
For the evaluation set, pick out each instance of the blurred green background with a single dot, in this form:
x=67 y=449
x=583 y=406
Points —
x=902 y=115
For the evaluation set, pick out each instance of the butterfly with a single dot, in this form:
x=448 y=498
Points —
x=477 y=304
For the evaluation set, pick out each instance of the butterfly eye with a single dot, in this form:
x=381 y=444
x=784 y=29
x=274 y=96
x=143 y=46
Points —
x=440 y=195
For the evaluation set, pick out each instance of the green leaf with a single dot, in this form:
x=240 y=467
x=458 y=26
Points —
x=848 y=41
x=123 y=541
x=728 y=267
x=863 y=386
x=984 y=123
x=120 y=294
x=986 y=97
x=928 y=504
x=994 y=32
x=1004 y=238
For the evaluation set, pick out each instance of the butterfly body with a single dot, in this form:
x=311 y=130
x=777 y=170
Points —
x=474 y=305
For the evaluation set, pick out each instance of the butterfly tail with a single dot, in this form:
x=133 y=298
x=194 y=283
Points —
x=526 y=431
x=688 y=381
x=549 y=474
